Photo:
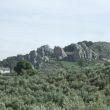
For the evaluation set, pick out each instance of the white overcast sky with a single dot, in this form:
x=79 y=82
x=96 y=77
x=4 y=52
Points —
x=28 y=24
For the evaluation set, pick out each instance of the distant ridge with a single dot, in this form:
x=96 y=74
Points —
x=86 y=50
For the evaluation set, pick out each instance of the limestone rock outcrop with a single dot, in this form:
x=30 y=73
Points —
x=85 y=50
x=59 y=53
x=80 y=51
x=32 y=57
x=88 y=53
x=44 y=53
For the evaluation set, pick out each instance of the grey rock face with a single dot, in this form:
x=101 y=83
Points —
x=88 y=54
x=44 y=54
x=44 y=51
x=78 y=52
x=32 y=57
x=59 y=53
x=81 y=51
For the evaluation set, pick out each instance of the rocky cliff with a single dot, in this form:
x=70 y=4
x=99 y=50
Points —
x=82 y=50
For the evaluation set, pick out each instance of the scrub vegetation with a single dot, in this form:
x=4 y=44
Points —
x=73 y=87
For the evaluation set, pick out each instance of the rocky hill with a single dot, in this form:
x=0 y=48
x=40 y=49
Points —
x=85 y=50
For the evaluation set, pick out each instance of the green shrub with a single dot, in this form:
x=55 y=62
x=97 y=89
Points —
x=24 y=67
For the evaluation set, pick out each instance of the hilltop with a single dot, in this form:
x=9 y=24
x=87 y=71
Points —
x=86 y=50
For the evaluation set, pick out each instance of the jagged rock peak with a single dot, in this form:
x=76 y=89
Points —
x=86 y=50
x=59 y=53
x=80 y=51
x=89 y=54
x=45 y=51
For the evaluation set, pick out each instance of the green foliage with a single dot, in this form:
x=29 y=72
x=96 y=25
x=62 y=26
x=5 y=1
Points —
x=67 y=89
x=70 y=48
x=107 y=63
x=24 y=67
x=81 y=62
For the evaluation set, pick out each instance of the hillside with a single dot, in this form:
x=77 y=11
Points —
x=67 y=87
x=75 y=77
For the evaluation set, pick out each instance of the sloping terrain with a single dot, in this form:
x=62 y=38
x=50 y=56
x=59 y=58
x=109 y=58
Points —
x=71 y=88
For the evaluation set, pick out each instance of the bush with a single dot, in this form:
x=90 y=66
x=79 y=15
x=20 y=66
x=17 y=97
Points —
x=86 y=89
x=24 y=67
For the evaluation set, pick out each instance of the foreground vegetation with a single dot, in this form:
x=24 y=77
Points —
x=73 y=87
